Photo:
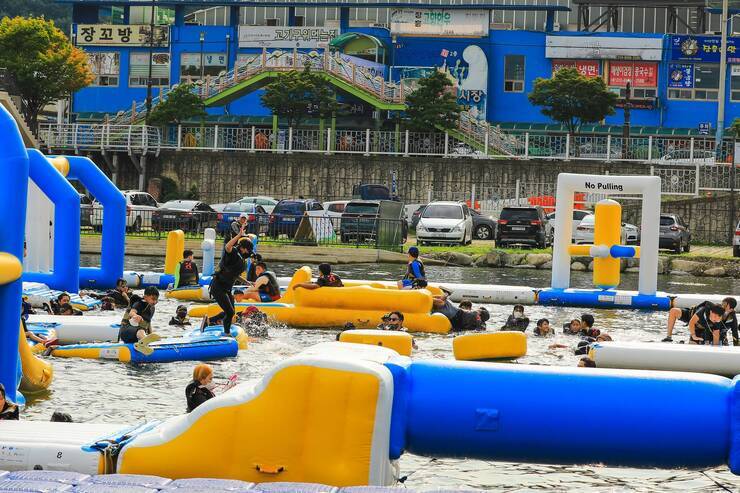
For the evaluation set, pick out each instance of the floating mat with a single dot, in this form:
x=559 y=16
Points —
x=210 y=484
x=203 y=348
x=66 y=477
x=295 y=488
x=33 y=486
x=142 y=480
x=110 y=488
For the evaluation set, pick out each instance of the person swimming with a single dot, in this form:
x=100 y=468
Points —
x=543 y=328
x=517 y=320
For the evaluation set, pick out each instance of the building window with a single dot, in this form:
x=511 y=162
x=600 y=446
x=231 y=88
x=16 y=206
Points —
x=698 y=81
x=163 y=16
x=514 y=73
x=213 y=65
x=735 y=84
x=110 y=15
x=105 y=66
x=642 y=76
x=139 y=69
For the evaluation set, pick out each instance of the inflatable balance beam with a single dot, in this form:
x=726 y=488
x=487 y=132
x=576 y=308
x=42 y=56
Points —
x=338 y=413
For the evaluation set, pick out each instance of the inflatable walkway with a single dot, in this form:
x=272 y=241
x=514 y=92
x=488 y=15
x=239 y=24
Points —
x=340 y=413
x=76 y=329
x=39 y=294
x=363 y=306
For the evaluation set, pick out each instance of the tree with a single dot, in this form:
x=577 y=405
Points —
x=180 y=104
x=433 y=104
x=61 y=14
x=573 y=99
x=43 y=64
x=296 y=95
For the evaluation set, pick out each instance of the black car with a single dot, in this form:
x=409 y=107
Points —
x=188 y=215
x=359 y=220
x=484 y=227
x=526 y=225
x=86 y=210
x=287 y=214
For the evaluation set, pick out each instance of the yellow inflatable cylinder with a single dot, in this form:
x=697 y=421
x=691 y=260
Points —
x=607 y=232
x=175 y=247
x=489 y=345
x=37 y=373
x=365 y=298
x=579 y=250
x=10 y=268
x=400 y=342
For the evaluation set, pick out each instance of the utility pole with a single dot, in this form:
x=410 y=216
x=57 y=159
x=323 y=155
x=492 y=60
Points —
x=626 y=126
x=202 y=67
x=719 y=134
x=151 y=55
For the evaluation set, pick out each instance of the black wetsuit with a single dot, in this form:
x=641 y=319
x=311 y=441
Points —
x=9 y=412
x=118 y=298
x=196 y=394
x=705 y=328
x=731 y=325
x=330 y=281
x=229 y=270
x=519 y=324
x=127 y=333
x=188 y=274
x=179 y=322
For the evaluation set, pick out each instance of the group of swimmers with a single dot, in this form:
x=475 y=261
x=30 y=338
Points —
x=708 y=322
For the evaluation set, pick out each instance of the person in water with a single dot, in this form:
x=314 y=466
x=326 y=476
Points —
x=573 y=327
x=181 y=317
x=54 y=307
x=136 y=325
x=265 y=288
x=60 y=417
x=686 y=315
x=187 y=271
x=120 y=296
x=230 y=269
x=461 y=320
x=201 y=388
x=414 y=270
x=586 y=362
x=517 y=320
x=8 y=410
x=326 y=279
x=543 y=328
x=706 y=326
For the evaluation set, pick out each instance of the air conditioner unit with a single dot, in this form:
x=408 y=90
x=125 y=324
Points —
x=502 y=26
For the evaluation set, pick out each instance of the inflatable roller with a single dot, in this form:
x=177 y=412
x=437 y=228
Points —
x=487 y=346
x=672 y=357
x=365 y=298
x=37 y=373
x=165 y=350
x=74 y=330
x=189 y=293
x=400 y=342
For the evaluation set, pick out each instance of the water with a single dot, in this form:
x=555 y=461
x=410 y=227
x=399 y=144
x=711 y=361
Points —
x=102 y=391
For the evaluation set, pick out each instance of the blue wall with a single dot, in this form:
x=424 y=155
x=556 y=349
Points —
x=410 y=51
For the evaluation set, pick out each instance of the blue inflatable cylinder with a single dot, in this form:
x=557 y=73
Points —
x=602 y=298
x=621 y=251
x=13 y=199
x=572 y=415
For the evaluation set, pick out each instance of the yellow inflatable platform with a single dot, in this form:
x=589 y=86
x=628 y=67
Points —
x=37 y=373
x=487 y=346
x=400 y=342
x=363 y=306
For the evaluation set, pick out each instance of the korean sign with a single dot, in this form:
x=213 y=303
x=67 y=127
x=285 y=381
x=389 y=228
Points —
x=703 y=49
x=681 y=75
x=589 y=68
x=285 y=37
x=439 y=22
x=639 y=74
x=121 y=35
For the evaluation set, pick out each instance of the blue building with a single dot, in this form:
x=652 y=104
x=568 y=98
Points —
x=492 y=52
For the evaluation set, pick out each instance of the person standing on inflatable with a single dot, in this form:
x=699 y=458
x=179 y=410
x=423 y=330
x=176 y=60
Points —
x=414 y=271
x=187 y=271
x=136 y=326
x=231 y=267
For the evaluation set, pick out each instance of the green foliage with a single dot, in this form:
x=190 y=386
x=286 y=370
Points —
x=193 y=193
x=43 y=63
x=433 y=104
x=169 y=189
x=735 y=128
x=59 y=13
x=180 y=104
x=572 y=98
x=295 y=95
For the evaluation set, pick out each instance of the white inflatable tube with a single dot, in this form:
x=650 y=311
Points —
x=691 y=300
x=52 y=446
x=671 y=357
x=76 y=329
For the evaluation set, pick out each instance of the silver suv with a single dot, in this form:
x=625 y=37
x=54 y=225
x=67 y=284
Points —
x=674 y=233
x=139 y=209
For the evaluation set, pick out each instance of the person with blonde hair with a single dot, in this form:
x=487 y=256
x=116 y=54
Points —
x=200 y=389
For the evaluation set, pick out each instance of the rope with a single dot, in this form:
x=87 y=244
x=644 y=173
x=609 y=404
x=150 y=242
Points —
x=715 y=481
x=403 y=479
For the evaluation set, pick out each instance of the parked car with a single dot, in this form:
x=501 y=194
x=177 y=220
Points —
x=139 y=209
x=526 y=225
x=674 y=233
x=578 y=215
x=267 y=203
x=484 y=227
x=86 y=211
x=335 y=208
x=736 y=241
x=371 y=191
x=445 y=222
x=585 y=232
x=359 y=221
x=416 y=215
x=188 y=215
x=257 y=218
x=409 y=210
x=631 y=234
x=286 y=216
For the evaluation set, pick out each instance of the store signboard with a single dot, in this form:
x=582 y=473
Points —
x=639 y=74
x=705 y=49
x=121 y=35
x=440 y=22
x=588 y=68
x=681 y=75
x=600 y=48
x=285 y=37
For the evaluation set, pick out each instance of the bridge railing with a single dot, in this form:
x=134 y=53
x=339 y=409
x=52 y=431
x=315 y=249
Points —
x=100 y=136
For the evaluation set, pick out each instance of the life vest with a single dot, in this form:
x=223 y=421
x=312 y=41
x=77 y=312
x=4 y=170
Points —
x=272 y=288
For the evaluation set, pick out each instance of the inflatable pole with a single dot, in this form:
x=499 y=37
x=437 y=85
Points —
x=13 y=197
x=553 y=415
x=208 y=246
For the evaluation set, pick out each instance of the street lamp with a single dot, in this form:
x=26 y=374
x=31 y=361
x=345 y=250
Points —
x=202 y=67
x=719 y=134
